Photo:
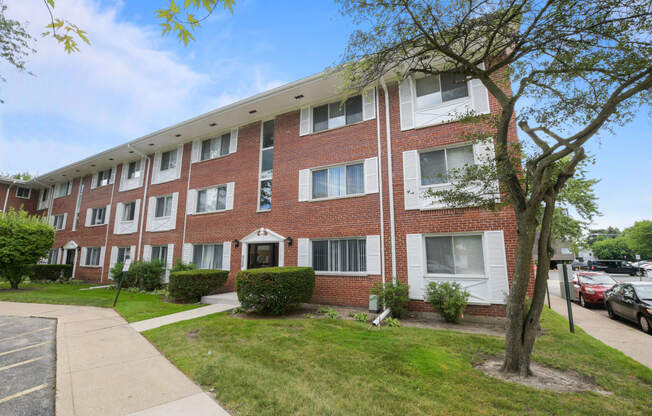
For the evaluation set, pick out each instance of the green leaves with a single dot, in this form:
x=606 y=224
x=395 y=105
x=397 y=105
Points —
x=182 y=22
x=65 y=32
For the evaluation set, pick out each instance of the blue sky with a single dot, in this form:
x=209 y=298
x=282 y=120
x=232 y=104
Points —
x=131 y=81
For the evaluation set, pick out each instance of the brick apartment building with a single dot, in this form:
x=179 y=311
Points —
x=292 y=177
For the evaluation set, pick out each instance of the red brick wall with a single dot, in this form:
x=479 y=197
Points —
x=15 y=202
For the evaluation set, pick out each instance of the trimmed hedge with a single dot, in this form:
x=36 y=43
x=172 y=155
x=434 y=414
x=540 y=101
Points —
x=275 y=290
x=191 y=285
x=52 y=272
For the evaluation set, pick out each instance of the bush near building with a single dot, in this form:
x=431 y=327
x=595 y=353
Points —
x=191 y=285
x=146 y=275
x=51 y=272
x=275 y=290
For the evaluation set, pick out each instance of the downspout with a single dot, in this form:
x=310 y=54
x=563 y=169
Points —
x=4 y=209
x=108 y=226
x=185 y=212
x=391 y=181
x=142 y=207
x=380 y=189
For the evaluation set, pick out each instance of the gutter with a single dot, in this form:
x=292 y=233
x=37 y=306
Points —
x=108 y=227
x=391 y=180
x=380 y=189
x=185 y=209
x=142 y=207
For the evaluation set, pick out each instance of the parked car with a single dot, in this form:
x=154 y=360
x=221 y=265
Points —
x=589 y=287
x=579 y=265
x=614 y=266
x=632 y=301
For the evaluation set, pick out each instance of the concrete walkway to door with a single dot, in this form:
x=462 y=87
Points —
x=105 y=367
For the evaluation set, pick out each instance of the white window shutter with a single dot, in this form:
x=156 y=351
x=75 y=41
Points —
x=118 y=217
x=226 y=255
x=51 y=220
x=94 y=181
x=479 y=97
x=304 y=185
x=123 y=176
x=151 y=210
x=414 y=249
x=102 y=252
x=83 y=256
x=484 y=154
x=169 y=259
x=137 y=212
x=191 y=202
x=303 y=252
x=156 y=169
x=142 y=168
x=305 y=124
x=186 y=255
x=194 y=153
x=65 y=219
x=371 y=175
x=411 y=179
x=147 y=252
x=112 y=178
x=406 y=102
x=233 y=144
x=173 y=211
x=496 y=266
x=132 y=253
x=230 y=194
x=89 y=215
x=114 y=257
x=69 y=188
x=369 y=104
x=373 y=254
x=243 y=257
x=107 y=217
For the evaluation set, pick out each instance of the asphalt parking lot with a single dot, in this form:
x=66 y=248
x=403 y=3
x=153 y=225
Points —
x=27 y=366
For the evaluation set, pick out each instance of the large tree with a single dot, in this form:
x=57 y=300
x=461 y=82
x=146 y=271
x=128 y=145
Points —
x=639 y=238
x=576 y=68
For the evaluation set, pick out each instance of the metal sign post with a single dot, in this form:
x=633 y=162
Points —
x=125 y=269
x=568 y=299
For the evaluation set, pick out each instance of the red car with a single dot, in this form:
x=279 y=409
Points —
x=589 y=287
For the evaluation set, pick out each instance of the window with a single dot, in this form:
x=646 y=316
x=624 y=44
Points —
x=211 y=199
x=62 y=189
x=93 y=256
x=53 y=256
x=207 y=256
x=433 y=90
x=98 y=215
x=133 y=170
x=58 y=222
x=169 y=160
x=218 y=146
x=339 y=255
x=103 y=177
x=163 y=206
x=23 y=192
x=129 y=211
x=266 y=166
x=161 y=253
x=337 y=114
x=455 y=254
x=124 y=253
x=44 y=195
x=435 y=164
x=338 y=181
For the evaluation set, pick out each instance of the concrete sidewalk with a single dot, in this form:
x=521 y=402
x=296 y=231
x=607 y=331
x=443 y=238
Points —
x=141 y=326
x=617 y=334
x=105 y=367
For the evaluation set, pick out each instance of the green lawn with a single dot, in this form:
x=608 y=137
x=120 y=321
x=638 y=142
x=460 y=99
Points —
x=335 y=367
x=132 y=306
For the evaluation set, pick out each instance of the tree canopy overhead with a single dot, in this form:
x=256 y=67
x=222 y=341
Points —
x=560 y=70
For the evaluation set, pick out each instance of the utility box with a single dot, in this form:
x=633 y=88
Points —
x=373 y=303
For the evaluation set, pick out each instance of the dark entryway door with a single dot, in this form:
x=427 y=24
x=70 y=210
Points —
x=70 y=257
x=262 y=255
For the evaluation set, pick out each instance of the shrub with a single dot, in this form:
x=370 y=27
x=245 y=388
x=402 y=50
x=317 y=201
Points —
x=275 y=290
x=392 y=322
x=130 y=279
x=332 y=314
x=191 y=285
x=24 y=240
x=394 y=296
x=448 y=298
x=51 y=272
x=361 y=317
x=182 y=267
x=147 y=274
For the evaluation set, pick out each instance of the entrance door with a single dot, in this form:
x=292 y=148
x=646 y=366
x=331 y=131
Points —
x=262 y=255
x=70 y=257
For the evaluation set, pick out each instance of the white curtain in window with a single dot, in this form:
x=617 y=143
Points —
x=459 y=157
x=468 y=255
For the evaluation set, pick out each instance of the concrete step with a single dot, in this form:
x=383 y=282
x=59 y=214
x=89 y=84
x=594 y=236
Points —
x=230 y=298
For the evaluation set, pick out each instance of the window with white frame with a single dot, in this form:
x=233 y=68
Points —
x=93 y=255
x=62 y=189
x=345 y=255
x=337 y=114
x=163 y=206
x=211 y=199
x=168 y=160
x=455 y=255
x=124 y=253
x=133 y=170
x=266 y=166
x=53 y=256
x=208 y=256
x=103 y=177
x=433 y=90
x=57 y=222
x=129 y=211
x=23 y=192
x=436 y=164
x=161 y=253
x=98 y=216
x=215 y=147
x=44 y=195
x=338 y=181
